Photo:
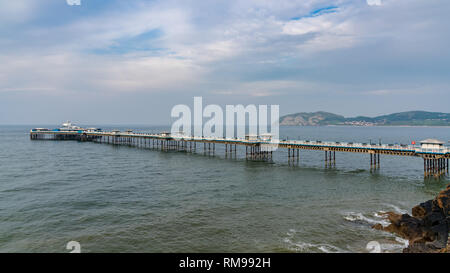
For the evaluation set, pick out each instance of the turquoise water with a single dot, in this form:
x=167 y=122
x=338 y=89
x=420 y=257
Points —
x=126 y=199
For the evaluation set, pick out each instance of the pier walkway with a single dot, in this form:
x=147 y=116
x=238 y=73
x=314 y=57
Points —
x=435 y=155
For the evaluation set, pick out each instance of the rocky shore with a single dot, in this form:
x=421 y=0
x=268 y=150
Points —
x=427 y=230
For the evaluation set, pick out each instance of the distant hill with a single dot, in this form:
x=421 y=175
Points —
x=417 y=118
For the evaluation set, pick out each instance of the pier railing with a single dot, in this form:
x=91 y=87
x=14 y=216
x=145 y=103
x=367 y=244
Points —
x=282 y=143
x=435 y=160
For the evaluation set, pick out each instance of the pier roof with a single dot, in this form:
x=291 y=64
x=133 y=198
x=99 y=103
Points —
x=431 y=141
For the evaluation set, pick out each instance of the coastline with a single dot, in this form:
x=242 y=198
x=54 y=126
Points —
x=427 y=228
x=348 y=125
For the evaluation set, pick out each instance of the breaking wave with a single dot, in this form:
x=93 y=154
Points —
x=358 y=217
x=397 y=209
x=299 y=246
x=391 y=243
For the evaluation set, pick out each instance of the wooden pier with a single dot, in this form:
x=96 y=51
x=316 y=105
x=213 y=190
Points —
x=434 y=154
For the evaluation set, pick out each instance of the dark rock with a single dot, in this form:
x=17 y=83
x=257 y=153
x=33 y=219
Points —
x=421 y=248
x=378 y=227
x=443 y=201
x=423 y=209
x=428 y=229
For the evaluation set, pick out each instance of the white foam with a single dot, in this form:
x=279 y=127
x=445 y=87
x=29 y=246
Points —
x=331 y=249
x=309 y=247
x=380 y=214
x=403 y=241
x=359 y=217
x=291 y=232
x=397 y=209
x=386 y=247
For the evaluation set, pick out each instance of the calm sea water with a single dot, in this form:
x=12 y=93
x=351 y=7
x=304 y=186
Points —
x=126 y=199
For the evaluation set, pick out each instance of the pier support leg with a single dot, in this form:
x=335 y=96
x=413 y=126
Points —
x=447 y=165
x=425 y=167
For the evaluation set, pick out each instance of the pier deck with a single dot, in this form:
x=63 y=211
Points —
x=436 y=161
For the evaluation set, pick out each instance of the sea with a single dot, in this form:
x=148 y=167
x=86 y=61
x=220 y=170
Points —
x=112 y=198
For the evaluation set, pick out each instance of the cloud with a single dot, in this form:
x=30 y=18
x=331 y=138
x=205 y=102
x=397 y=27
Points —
x=374 y=2
x=268 y=88
x=381 y=92
x=432 y=89
x=329 y=30
x=243 y=48
x=307 y=25
x=71 y=73
x=13 y=12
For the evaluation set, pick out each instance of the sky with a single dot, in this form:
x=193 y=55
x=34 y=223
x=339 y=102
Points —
x=130 y=62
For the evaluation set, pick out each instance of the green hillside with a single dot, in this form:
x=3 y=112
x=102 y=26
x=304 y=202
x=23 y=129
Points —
x=412 y=118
